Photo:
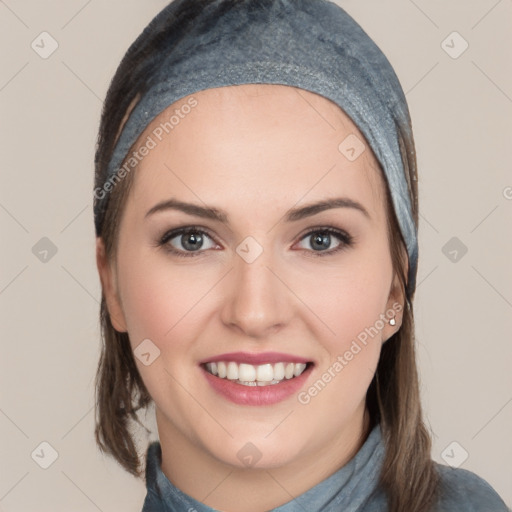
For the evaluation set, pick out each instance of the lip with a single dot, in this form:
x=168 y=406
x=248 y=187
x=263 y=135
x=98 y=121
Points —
x=256 y=358
x=256 y=395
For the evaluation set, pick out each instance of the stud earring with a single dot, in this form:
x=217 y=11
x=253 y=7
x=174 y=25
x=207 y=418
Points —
x=392 y=321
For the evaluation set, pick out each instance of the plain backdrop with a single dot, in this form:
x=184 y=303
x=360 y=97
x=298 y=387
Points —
x=461 y=104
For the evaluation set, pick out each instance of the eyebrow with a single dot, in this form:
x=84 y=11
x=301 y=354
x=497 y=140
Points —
x=292 y=215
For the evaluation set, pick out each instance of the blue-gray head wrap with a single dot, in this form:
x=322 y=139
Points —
x=310 y=44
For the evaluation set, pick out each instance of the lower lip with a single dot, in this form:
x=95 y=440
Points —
x=257 y=395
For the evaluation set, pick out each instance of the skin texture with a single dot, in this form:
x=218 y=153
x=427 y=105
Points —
x=255 y=152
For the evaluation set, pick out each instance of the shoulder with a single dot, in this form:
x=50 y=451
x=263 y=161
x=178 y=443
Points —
x=463 y=490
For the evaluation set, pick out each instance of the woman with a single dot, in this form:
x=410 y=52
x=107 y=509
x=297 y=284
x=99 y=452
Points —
x=256 y=221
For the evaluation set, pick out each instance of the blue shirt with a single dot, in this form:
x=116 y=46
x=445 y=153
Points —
x=353 y=488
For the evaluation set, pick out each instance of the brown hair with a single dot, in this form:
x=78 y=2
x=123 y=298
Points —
x=408 y=474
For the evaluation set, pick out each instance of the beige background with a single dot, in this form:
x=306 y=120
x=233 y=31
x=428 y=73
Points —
x=462 y=115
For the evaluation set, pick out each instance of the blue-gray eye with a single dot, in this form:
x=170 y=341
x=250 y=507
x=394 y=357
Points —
x=320 y=240
x=186 y=240
x=190 y=241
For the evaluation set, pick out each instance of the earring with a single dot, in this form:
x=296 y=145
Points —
x=392 y=321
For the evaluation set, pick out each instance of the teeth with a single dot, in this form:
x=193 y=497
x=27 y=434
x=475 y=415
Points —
x=251 y=375
x=265 y=373
x=246 y=372
x=299 y=368
x=279 y=371
x=221 y=370
x=232 y=371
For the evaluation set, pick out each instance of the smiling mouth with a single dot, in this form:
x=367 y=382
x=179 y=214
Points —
x=256 y=375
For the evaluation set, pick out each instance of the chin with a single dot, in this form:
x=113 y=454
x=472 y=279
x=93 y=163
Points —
x=255 y=452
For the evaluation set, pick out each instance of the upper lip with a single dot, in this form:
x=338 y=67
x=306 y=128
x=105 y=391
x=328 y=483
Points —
x=256 y=358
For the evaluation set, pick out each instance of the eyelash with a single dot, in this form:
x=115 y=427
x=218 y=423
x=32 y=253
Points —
x=345 y=239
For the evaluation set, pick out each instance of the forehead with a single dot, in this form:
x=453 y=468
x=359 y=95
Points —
x=267 y=139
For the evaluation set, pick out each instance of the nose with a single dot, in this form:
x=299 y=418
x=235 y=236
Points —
x=257 y=302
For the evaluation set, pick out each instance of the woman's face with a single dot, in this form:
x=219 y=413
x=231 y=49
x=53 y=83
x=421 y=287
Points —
x=263 y=278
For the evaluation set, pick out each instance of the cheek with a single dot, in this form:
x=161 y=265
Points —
x=351 y=295
x=159 y=299
x=350 y=301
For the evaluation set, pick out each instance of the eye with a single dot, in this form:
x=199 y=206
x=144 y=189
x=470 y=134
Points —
x=192 y=241
x=321 y=239
x=187 y=241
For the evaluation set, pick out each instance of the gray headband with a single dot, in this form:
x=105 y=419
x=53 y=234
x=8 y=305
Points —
x=310 y=44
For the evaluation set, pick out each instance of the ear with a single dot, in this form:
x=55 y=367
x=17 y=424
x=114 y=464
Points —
x=109 y=287
x=394 y=309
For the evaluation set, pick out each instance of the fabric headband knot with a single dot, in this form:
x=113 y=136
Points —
x=310 y=44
